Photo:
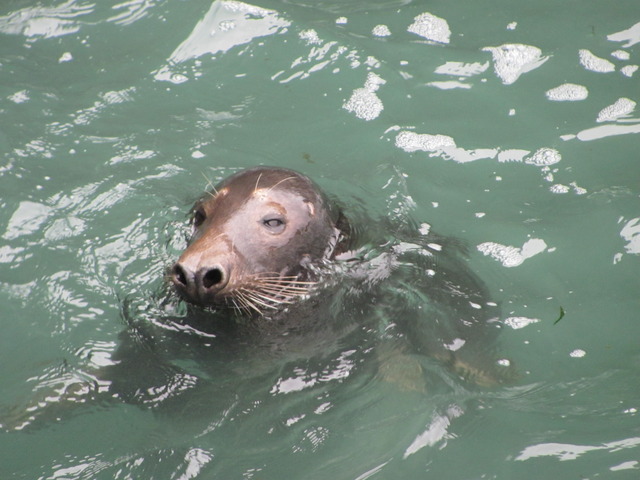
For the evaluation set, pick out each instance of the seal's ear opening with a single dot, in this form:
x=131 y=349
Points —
x=343 y=227
x=199 y=215
x=343 y=237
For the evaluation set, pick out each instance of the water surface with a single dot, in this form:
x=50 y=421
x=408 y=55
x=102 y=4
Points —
x=512 y=127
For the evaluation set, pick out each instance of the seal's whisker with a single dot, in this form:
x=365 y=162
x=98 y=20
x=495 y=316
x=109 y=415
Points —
x=264 y=303
x=232 y=302
x=278 y=298
x=210 y=185
x=258 y=295
x=282 y=289
x=257 y=181
x=283 y=180
x=249 y=305
x=276 y=282
x=277 y=278
x=242 y=308
x=290 y=283
x=255 y=290
x=290 y=287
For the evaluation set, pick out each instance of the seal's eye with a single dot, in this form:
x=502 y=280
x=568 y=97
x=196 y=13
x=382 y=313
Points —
x=274 y=224
x=199 y=217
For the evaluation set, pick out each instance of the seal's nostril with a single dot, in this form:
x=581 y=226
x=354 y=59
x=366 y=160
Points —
x=179 y=275
x=212 y=277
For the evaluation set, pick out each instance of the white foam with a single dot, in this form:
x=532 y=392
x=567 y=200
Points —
x=364 y=103
x=543 y=157
x=445 y=146
x=413 y=142
x=431 y=27
x=568 y=92
x=596 y=64
x=629 y=70
x=512 y=60
x=373 y=82
x=578 y=190
x=310 y=36
x=373 y=62
x=424 y=229
x=519 y=322
x=19 y=97
x=621 y=55
x=510 y=256
x=381 y=31
x=65 y=57
x=455 y=345
x=622 y=107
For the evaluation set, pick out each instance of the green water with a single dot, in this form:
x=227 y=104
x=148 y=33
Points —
x=115 y=116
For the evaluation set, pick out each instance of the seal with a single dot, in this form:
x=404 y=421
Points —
x=254 y=238
x=386 y=292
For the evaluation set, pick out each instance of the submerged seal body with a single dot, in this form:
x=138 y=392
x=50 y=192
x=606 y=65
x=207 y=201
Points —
x=254 y=235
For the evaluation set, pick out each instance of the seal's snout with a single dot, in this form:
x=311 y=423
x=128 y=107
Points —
x=199 y=285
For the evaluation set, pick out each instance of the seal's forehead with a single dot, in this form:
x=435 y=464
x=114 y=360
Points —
x=270 y=178
x=265 y=194
x=283 y=200
x=261 y=185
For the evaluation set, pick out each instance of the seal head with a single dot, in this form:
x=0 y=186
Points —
x=253 y=238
